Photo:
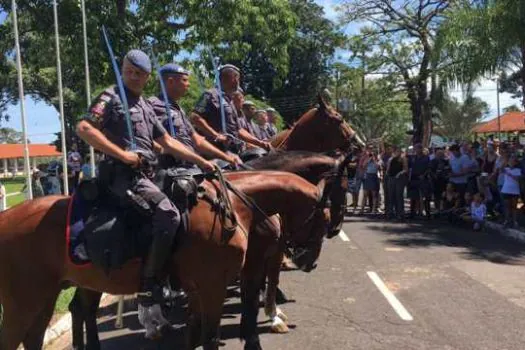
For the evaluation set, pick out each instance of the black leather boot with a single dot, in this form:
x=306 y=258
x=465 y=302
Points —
x=150 y=288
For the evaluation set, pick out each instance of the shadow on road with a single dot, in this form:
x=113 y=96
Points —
x=478 y=245
x=112 y=338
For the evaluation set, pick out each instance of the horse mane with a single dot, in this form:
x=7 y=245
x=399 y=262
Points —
x=285 y=159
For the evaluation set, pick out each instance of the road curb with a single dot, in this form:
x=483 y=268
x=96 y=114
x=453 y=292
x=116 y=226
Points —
x=62 y=326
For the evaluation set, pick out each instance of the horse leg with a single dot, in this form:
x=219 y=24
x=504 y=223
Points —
x=77 y=320
x=212 y=300
x=34 y=339
x=20 y=315
x=194 y=322
x=271 y=310
x=252 y=279
x=90 y=301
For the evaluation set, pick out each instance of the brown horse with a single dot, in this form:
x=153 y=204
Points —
x=321 y=129
x=264 y=256
x=34 y=260
x=329 y=130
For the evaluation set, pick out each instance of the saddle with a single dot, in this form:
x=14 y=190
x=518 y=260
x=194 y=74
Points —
x=107 y=230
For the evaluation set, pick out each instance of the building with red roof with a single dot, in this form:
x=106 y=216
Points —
x=511 y=122
x=14 y=154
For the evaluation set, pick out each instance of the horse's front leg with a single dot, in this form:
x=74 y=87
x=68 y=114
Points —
x=273 y=270
x=252 y=277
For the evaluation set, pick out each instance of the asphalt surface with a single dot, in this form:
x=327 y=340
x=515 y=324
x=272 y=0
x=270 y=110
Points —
x=458 y=289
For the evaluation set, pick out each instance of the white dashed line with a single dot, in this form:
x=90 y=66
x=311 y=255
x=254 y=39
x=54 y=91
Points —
x=390 y=297
x=343 y=236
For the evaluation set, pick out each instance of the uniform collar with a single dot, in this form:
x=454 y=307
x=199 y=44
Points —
x=171 y=102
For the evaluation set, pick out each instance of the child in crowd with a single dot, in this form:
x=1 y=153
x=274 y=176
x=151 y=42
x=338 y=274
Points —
x=511 y=190
x=478 y=211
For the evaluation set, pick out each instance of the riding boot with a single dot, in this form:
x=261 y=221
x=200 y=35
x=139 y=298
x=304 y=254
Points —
x=151 y=289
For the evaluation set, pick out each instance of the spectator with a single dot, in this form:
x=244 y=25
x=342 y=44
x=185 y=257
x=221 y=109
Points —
x=459 y=169
x=36 y=185
x=511 y=190
x=473 y=167
x=451 y=200
x=418 y=185
x=86 y=169
x=74 y=163
x=397 y=170
x=478 y=211
x=53 y=181
x=387 y=154
x=499 y=177
x=352 y=178
x=371 y=183
x=439 y=170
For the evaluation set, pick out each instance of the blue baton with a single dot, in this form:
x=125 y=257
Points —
x=219 y=88
x=164 y=93
x=120 y=85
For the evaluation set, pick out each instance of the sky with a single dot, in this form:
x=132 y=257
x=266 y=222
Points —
x=43 y=120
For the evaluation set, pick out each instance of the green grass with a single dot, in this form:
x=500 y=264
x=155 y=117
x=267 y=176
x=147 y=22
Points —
x=13 y=185
x=63 y=300
x=14 y=200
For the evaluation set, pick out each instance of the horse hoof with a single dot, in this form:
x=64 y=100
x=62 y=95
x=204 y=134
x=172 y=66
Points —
x=282 y=315
x=278 y=326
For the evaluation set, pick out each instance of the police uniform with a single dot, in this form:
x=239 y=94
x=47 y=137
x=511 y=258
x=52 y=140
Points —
x=209 y=108
x=244 y=123
x=183 y=129
x=271 y=129
x=107 y=114
x=259 y=130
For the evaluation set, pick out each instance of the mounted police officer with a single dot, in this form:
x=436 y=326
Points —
x=246 y=131
x=177 y=82
x=259 y=123
x=105 y=128
x=206 y=115
x=272 y=117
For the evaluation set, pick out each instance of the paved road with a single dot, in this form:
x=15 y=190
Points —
x=461 y=290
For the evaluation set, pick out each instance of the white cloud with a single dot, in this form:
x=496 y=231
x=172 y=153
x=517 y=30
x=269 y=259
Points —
x=488 y=93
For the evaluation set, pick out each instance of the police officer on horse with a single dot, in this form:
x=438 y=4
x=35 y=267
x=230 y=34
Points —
x=177 y=82
x=206 y=115
x=129 y=158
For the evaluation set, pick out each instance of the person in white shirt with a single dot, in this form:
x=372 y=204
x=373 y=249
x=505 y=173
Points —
x=511 y=190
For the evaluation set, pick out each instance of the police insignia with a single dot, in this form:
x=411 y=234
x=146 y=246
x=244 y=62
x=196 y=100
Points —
x=99 y=108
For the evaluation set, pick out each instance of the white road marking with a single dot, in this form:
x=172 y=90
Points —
x=390 y=297
x=343 y=236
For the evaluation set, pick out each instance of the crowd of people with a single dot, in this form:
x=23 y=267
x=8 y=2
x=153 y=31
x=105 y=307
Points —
x=476 y=181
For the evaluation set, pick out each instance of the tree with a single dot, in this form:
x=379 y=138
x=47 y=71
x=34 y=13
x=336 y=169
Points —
x=512 y=108
x=400 y=41
x=314 y=40
x=487 y=37
x=456 y=119
x=375 y=109
x=9 y=135
x=170 y=25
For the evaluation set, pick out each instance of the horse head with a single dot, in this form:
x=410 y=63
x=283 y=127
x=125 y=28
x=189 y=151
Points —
x=308 y=236
x=320 y=129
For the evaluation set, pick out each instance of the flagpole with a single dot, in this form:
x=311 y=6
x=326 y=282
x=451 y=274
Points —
x=88 y=84
x=22 y=104
x=61 y=101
